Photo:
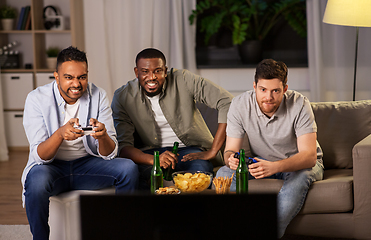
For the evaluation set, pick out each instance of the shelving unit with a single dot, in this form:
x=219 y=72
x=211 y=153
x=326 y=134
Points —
x=32 y=45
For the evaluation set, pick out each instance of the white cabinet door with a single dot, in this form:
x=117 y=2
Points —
x=15 y=88
x=14 y=131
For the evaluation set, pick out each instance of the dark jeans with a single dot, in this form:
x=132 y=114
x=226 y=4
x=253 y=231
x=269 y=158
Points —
x=198 y=164
x=87 y=173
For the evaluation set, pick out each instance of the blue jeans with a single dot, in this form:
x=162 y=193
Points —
x=198 y=164
x=291 y=197
x=87 y=173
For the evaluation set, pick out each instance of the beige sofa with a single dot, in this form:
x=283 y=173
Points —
x=338 y=206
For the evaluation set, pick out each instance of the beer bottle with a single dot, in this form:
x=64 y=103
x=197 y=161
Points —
x=169 y=170
x=242 y=174
x=156 y=174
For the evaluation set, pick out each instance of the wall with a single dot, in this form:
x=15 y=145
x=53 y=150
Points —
x=240 y=80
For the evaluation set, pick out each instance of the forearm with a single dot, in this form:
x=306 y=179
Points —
x=232 y=146
x=136 y=155
x=47 y=149
x=299 y=161
x=106 y=145
x=219 y=138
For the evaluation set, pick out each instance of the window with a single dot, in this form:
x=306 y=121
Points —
x=281 y=43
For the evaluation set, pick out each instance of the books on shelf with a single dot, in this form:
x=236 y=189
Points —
x=24 y=20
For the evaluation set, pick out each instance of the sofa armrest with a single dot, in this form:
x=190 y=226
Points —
x=362 y=189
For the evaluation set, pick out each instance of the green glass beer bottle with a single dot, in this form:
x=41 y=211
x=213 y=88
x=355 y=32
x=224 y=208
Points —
x=169 y=171
x=156 y=174
x=242 y=174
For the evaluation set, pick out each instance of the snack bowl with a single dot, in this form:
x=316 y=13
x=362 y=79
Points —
x=167 y=191
x=192 y=181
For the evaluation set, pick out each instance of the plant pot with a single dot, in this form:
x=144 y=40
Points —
x=7 y=24
x=250 y=51
x=51 y=63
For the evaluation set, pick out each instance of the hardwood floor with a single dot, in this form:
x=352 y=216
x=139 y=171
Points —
x=11 y=210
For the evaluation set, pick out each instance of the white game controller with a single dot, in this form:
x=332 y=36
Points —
x=87 y=130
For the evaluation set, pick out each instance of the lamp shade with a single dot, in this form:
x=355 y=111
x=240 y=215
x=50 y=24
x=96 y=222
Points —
x=355 y=13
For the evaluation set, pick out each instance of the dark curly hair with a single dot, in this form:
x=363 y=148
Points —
x=269 y=69
x=71 y=54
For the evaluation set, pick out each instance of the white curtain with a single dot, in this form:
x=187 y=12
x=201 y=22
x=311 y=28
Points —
x=331 y=55
x=3 y=146
x=117 y=30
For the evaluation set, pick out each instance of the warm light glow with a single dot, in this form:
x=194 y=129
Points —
x=355 y=13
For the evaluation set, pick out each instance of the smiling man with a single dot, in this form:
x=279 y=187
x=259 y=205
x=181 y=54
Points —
x=158 y=108
x=63 y=157
x=280 y=126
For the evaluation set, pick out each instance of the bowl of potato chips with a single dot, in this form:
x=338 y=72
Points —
x=192 y=181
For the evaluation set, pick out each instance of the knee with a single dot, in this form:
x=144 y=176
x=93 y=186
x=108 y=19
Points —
x=38 y=180
x=224 y=172
x=128 y=168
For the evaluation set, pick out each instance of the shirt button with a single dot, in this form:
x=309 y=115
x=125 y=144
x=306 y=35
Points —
x=62 y=112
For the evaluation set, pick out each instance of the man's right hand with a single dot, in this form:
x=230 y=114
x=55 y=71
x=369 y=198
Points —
x=167 y=158
x=68 y=130
x=233 y=162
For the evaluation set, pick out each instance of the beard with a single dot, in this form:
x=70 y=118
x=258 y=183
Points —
x=268 y=109
x=151 y=92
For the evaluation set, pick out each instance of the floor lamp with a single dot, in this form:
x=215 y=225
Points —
x=356 y=13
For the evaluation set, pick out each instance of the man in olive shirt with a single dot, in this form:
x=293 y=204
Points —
x=158 y=108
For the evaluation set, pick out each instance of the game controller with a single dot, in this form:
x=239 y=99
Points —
x=87 y=130
x=249 y=159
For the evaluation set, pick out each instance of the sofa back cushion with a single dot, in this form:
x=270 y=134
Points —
x=340 y=126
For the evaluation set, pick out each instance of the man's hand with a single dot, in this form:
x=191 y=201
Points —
x=167 y=158
x=233 y=162
x=262 y=168
x=99 y=129
x=205 y=155
x=69 y=132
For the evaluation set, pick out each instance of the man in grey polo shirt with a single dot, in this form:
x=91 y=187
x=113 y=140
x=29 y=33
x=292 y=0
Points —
x=281 y=130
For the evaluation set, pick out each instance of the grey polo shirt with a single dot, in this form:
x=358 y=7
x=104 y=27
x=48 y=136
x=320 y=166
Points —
x=272 y=138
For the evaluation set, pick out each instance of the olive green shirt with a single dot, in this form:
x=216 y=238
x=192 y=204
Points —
x=135 y=121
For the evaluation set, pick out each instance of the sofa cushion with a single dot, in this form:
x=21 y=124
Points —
x=333 y=194
x=340 y=126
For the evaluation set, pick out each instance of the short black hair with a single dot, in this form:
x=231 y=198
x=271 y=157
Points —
x=269 y=69
x=150 y=53
x=71 y=54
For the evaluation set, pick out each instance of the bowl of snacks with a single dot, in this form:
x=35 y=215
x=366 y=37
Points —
x=192 y=181
x=167 y=191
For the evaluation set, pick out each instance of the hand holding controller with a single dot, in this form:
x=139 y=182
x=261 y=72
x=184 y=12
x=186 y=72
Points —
x=249 y=160
x=87 y=130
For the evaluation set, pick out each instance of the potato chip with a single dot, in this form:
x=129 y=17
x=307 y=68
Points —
x=189 y=182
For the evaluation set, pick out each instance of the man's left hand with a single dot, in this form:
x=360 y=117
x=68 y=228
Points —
x=98 y=128
x=262 y=168
x=205 y=155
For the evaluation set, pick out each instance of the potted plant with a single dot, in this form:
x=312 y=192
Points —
x=51 y=60
x=7 y=16
x=250 y=21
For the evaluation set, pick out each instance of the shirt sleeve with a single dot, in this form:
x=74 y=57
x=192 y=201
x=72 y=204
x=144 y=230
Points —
x=123 y=124
x=235 y=127
x=207 y=92
x=34 y=126
x=105 y=116
x=305 y=122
